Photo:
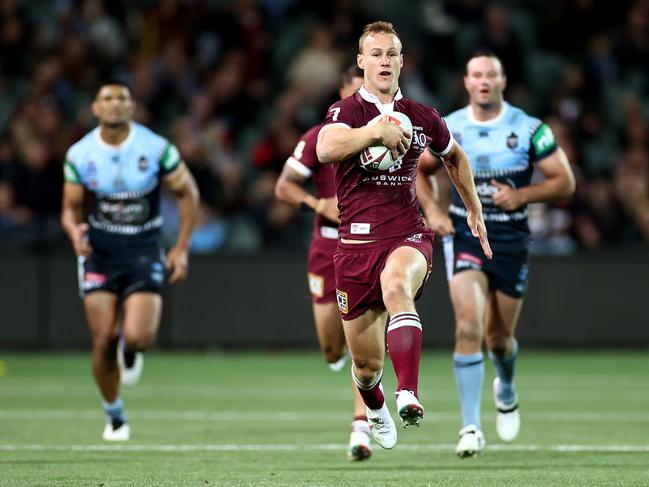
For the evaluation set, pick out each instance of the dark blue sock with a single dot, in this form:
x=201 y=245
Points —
x=115 y=410
x=505 y=370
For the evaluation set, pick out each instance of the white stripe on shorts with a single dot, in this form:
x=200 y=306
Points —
x=449 y=255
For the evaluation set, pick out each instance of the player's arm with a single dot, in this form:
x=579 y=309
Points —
x=72 y=218
x=459 y=170
x=182 y=185
x=559 y=184
x=289 y=188
x=72 y=209
x=338 y=142
x=428 y=194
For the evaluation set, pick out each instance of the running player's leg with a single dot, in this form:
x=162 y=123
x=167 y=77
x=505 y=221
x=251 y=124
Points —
x=359 y=441
x=405 y=271
x=102 y=312
x=331 y=335
x=365 y=338
x=469 y=291
x=331 y=338
x=142 y=312
x=501 y=320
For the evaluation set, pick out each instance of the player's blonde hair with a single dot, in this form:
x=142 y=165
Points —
x=378 y=27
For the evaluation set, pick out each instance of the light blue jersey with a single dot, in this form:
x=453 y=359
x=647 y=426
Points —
x=505 y=149
x=123 y=185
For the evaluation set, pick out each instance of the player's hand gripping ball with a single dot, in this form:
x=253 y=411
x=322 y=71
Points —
x=378 y=157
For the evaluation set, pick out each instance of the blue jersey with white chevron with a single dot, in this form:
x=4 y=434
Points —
x=504 y=149
x=122 y=186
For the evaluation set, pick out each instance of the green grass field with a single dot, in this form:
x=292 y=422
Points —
x=271 y=419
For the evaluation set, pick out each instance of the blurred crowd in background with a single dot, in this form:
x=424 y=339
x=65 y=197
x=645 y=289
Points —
x=234 y=83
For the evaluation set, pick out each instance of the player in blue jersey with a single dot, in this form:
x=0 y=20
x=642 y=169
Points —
x=505 y=146
x=111 y=213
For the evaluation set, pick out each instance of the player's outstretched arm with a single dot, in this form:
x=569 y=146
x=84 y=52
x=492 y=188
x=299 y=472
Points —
x=559 y=184
x=72 y=218
x=459 y=170
x=289 y=188
x=428 y=194
x=338 y=142
x=182 y=184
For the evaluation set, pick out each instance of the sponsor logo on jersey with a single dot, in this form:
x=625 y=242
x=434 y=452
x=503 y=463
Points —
x=143 y=164
x=419 y=139
x=387 y=180
x=482 y=161
x=129 y=212
x=416 y=238
x=512 y=140
x=316 y=285
x=396 y=167
x=341 y=299
x=543 y=139
x=360 y=228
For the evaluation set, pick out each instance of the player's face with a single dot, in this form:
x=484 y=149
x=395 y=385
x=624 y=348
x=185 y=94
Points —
x=485 y=81
x=352 y=87
x=382 y=60
x=113 y=106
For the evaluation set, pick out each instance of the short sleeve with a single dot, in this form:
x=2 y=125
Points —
x=70 y=171
x=170 y=159
x=441 y=139
x=341 y=112
x=304 y=158
x=542 y=142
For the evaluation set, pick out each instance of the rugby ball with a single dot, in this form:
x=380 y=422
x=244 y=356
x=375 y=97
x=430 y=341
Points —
x=378 y=157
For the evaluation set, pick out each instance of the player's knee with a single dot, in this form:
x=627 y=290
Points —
x=332 y=354
x=395 y=292
x=367 y=370
x=499 y=344
x=468 y=332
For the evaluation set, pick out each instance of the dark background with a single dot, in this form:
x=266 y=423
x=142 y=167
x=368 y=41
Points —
x=262 y=301
x=234 y=83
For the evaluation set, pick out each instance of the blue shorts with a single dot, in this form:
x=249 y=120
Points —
x=122 y=276
x=506 y=272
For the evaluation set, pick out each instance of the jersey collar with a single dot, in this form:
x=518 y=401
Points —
x=106 y=145
x=493 y=121
x=372 y=98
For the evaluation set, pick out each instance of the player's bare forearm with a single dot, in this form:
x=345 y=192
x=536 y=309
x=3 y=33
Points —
x=289 y=189
x=72 y=218
x=340 y=143
x=459 y=170
x=435 y=216
x=188 y=201
x=558 y=185
x=425 y=191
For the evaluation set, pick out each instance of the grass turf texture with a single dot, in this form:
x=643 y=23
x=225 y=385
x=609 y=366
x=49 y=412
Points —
x=271 y=419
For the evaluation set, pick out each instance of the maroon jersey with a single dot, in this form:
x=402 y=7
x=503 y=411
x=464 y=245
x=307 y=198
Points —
x=383 y=205
x=305 y=161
